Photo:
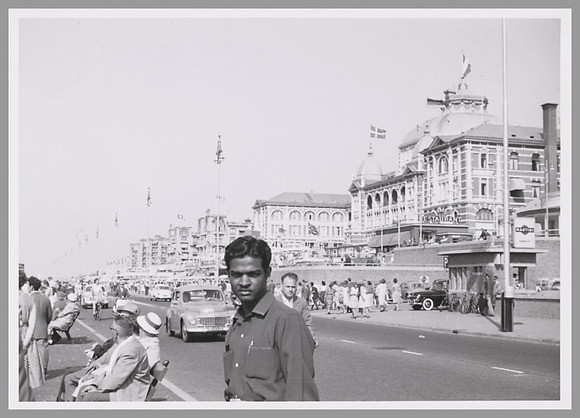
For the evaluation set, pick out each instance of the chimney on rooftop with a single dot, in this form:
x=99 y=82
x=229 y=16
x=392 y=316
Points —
x=551 y=144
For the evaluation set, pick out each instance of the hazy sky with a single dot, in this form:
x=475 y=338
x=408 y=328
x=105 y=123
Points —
x=108 y=107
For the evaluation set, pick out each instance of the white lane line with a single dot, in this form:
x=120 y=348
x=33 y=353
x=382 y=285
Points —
x=508 y=370
x=182 y=394
x=411 y=352
x=347 y=341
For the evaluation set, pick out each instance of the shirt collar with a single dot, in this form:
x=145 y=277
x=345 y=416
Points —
x=261 y=307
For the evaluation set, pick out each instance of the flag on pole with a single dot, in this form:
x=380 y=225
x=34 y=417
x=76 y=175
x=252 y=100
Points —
x=281 y=230
x=312 y=229
x=116 y=221
x=148 y=196
x=465 y=68
x=97 y=232
x=378 y=133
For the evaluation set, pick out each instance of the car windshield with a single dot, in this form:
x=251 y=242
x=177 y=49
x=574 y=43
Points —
x=201 y=295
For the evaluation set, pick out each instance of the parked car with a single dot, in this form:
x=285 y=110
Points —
x=198 y=309
x=160 y=291
x=408 y=288
x=432 y=297
x=87 y=299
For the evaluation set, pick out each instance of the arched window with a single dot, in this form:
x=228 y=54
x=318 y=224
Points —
x=369 y=202
x=309 y=216
x=514 y=161
x=295 y=216
x=337 y=217
x=277 y=215
x=378 y=200
x=386 y=198
x=403 y=191
x=323 y=216
x=484 y=215
x=443 y=165
x=395 y=197
x=536 y=162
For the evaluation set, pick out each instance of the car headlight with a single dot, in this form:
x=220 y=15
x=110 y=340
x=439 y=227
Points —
x=191 y=321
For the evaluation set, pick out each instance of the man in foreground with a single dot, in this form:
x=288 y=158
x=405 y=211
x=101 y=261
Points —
x=269 y=349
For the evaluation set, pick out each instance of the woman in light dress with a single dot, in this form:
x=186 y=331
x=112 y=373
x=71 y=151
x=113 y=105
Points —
x=396 y=294
x=353 y=301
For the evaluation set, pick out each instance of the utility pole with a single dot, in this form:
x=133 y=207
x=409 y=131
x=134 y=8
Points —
x=507 y=324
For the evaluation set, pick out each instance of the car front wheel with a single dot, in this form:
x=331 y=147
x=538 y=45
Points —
x=184 y=334
x=428 y=304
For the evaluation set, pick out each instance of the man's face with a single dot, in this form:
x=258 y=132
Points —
x=115 y=332
x=248 y=280
x=289 y=287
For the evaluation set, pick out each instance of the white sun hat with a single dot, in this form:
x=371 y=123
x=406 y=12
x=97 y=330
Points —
x=150 y=323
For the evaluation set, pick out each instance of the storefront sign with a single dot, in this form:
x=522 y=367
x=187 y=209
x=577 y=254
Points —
x=524 y=233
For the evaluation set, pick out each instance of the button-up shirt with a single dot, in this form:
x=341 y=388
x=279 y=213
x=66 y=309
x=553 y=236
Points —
x=269 y=355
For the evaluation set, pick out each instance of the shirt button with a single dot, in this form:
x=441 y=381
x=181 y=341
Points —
x=237 y=364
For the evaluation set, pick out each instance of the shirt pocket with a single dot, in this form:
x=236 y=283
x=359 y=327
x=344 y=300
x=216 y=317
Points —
x=228 y=359
x=261 y=362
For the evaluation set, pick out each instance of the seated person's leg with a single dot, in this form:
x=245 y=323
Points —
x=70 y=382
x=95 y=396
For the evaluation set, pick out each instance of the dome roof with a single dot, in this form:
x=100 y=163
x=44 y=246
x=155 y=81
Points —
x=370 y=170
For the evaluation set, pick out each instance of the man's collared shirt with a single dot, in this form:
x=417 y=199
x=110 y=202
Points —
x=288 y=302
x=269 y=355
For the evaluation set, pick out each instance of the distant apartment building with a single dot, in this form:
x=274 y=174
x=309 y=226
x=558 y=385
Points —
x=149 y=252
x=293 y=220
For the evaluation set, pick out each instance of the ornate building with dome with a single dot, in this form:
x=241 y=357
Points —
x=448 y=185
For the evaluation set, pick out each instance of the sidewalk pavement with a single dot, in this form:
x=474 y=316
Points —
x=524 y=328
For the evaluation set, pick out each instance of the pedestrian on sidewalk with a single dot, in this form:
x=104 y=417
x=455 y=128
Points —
x=488 y=291
x=396 y=293
x=353 y=295
x=382 y=295
x=43 y=317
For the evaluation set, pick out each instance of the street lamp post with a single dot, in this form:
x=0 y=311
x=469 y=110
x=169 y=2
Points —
x=507 y=301
x=218 y=161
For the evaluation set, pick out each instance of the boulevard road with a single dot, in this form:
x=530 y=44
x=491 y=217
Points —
x=366 y=362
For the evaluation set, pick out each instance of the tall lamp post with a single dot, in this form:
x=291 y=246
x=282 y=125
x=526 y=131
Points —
x=218 y=161
x=507 y=302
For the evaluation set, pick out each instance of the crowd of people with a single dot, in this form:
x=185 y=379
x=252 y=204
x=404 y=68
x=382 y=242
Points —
x=119 y=369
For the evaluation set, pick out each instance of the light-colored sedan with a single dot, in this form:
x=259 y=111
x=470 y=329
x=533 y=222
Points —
x=198 y=309
x=160 y=291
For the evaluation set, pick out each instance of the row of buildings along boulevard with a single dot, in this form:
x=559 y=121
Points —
x=447 y=188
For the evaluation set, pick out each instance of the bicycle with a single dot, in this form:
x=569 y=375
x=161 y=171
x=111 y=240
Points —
x=97 y=311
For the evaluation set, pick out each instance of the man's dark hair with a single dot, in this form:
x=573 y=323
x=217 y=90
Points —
x=125 y=325
x=248 y=246
x=34 y=282
x=21 y=281
x=290 y=275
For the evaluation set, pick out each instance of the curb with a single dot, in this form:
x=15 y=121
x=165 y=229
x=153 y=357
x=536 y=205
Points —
x=458 y=331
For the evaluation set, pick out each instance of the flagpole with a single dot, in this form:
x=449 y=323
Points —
x=218 y=161
x=507 y=305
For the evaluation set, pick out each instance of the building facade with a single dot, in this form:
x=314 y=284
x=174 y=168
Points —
x=296 y=220
x=149 y=252
x=449 y=183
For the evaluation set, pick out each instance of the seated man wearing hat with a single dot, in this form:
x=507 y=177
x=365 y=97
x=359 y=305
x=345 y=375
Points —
x=70 y=381
x=148 y=335
x=64 y=318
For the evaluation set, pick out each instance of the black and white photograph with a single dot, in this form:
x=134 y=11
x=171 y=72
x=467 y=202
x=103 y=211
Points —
x=290 y=208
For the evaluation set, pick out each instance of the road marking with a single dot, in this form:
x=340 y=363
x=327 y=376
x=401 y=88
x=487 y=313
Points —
x=411 y=352
x=508 y=370
x=177 y=391
x=347 y=341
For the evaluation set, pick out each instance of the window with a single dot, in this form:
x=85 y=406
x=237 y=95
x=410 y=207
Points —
x=369 y=202
x=536 y=162
x=323 y=217
x=483 y=187
x=386 y=199
x=309 y=216
x=403 y=190
x=378 y=200
x=395 y=197
x=483 y=160
x=443 y=165
x=535 y=189
x=337 y=217
x=514 y=161
x=484 y=215
x=295 y=215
